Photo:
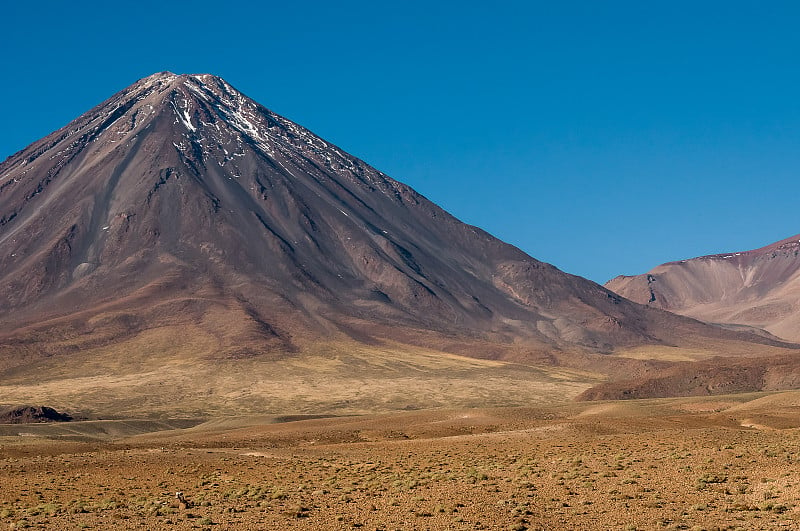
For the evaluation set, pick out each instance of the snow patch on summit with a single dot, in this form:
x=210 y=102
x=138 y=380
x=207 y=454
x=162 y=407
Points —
x=183 y=115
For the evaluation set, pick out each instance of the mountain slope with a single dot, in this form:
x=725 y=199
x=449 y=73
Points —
x=180 y=225
x=759 y=288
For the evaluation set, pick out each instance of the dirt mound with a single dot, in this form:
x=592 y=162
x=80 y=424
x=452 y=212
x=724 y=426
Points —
x=32 y=414
x=716 y=376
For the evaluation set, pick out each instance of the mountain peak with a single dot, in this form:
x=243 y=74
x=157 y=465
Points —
x=787 y=245
x=202 y=112
x=790 y=244
x=167 y=77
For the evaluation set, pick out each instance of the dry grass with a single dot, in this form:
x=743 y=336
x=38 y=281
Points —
x=187 y=379
x=665 y=353
x=731 y=349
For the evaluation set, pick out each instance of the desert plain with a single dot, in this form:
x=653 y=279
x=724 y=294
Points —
x=721 y=462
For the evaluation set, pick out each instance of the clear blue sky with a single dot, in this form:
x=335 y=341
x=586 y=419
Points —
x=603 y=137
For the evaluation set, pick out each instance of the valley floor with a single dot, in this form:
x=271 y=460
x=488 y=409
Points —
x=702 y=463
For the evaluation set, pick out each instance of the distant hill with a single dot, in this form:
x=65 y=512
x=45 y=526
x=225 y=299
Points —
x=758 y=288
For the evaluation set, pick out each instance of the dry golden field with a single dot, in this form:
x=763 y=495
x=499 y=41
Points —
x=153 y=375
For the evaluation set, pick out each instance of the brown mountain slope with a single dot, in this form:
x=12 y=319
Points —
x=759 y=288
x=180 y=223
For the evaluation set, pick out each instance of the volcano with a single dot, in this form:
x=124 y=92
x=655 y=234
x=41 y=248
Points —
x=758 y=288
x=180 y=210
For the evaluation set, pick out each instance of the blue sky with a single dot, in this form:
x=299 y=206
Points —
x=603 y=137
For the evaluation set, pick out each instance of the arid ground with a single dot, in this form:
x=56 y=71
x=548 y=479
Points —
x=723 y=462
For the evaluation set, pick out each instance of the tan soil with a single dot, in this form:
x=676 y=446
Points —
x=673 y=464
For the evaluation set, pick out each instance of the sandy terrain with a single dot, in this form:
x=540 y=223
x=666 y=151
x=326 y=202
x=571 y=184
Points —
x=694 y=463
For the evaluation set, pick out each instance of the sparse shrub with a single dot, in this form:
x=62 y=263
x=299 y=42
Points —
x=48 y=509
x=473 y=475
x=278 y=494
x=709 y=479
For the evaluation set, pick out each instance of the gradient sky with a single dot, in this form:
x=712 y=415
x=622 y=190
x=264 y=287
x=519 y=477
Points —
x=603 y=137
